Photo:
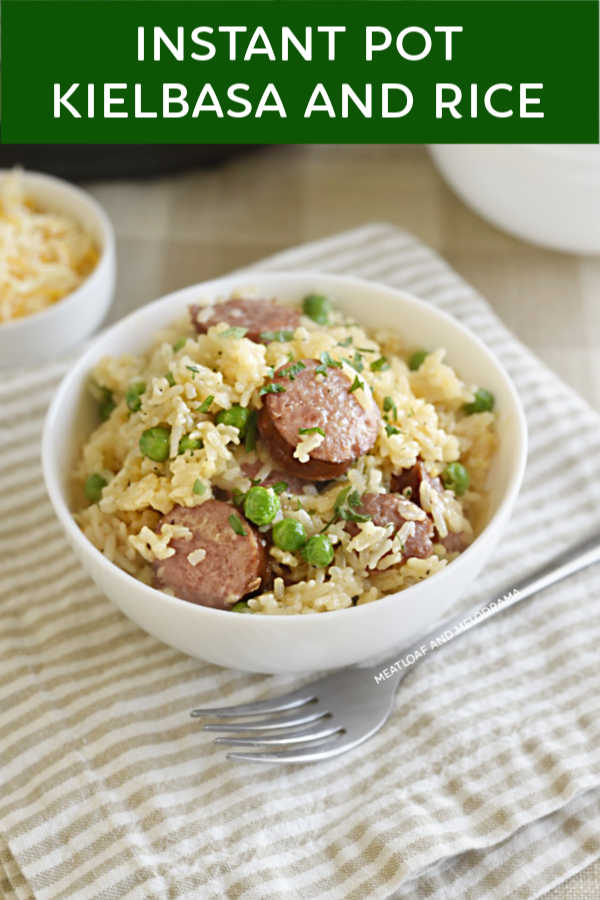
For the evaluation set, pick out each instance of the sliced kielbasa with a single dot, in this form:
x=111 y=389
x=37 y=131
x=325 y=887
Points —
x=256 y=316
x=320 y=400
x=408 y=482
x=389 y=509
x=454 y=542
x=234 y=564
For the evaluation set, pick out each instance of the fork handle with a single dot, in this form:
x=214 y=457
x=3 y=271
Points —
x=572 y=560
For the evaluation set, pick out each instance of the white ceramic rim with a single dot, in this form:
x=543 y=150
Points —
x=78 y=538
x=107 y=250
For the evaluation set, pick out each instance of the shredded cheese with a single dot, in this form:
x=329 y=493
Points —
x=43 y=255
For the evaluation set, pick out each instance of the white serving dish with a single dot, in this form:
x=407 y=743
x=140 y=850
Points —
x=47 y=334
x=297 y=643
x=547 y=194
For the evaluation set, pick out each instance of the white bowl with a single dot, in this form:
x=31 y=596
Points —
x=295 y=643
x=549 y=195
x=46 y=334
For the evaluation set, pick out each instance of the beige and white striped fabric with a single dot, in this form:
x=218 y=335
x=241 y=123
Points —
x=484 y=784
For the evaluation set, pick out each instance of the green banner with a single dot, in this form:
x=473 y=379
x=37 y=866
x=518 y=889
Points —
x=392 y=71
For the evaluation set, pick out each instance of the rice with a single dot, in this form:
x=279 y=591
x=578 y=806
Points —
x=189 y=378
x=43 y=255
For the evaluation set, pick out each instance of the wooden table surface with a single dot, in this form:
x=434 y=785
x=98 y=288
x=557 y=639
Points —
x=181 y=229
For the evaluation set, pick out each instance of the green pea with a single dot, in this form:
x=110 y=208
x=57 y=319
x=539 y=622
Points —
x=289 y=535
x=154 y=443
x=93 y=487
x=179 y=344
x=241 y=607
x=417 y=360
x=318 y=551
x=456 y=478
x=483 y=402
x=317 y=307
x=133 y=397
x=261 y=505
x=236 y=415
x=106 y=404
x=188 y=443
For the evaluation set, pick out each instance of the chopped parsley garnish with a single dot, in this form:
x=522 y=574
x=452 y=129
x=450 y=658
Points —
x=391 y=429
x=346 y=504
x=280 y=336
x=237 y=526
x=341 y=498
x=379 y=365
x=170 y=379
x=271 y=389
x=238 y=496
x=234 y=332
x=327 y=362
x=314 y=430
x=367 y=350
x=407 y=492
x=346 y=342
x=390 y=406
x=292 y=370
x=356 y=362
x=206 y=404
x=179 y=344
x=280 y=486
x=193 y=368
x=251 y=429
x=356 y=384
x=199 y=487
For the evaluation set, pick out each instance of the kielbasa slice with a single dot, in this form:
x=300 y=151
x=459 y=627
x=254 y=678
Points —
x=234 y=564
x=408 y=482
x=317 y=400
x=454 y=542
x=388 y=509
x=256 y=316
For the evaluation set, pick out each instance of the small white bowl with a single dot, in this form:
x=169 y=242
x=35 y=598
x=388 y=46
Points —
x=44 y=335
x=547 y=194
x=297 y=643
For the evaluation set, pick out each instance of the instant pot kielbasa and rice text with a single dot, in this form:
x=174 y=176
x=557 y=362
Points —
x=262 y=458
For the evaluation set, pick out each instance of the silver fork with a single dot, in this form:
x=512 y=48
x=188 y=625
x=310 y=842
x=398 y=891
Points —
x=336 y=713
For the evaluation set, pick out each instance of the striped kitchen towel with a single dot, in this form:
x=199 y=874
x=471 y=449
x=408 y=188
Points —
x=485 y=783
